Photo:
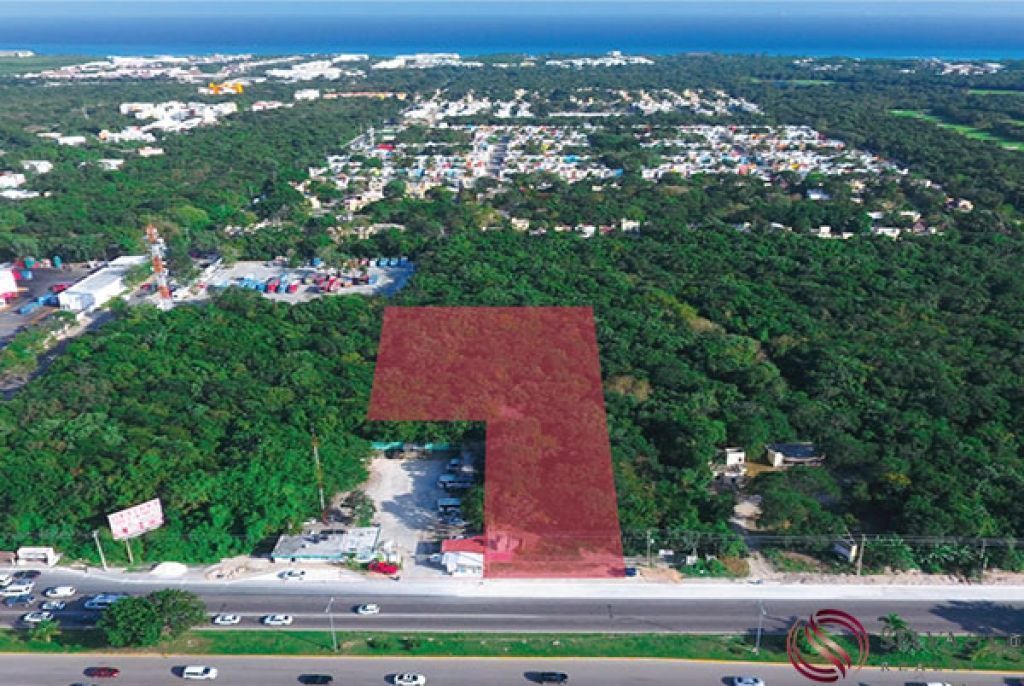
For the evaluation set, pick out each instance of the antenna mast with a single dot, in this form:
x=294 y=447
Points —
x=157 y=251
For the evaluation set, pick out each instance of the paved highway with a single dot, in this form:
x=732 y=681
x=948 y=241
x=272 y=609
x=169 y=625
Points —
x=307 y=602
x=405 y=613
x=61 y=670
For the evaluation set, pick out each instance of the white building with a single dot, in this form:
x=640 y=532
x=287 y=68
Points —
x=37 y=166
x=150 y=152
x=110 y=164
x=463 y=557
x=97 y=289
x=307 y=94
x=71 y=140
x=11 y=180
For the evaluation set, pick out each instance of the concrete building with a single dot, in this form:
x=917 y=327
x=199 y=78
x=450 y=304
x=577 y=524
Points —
x=11 y=180
x=794 y=455
x=37 y=166
x=463 y=557
x=97 y=289
x=359 y=544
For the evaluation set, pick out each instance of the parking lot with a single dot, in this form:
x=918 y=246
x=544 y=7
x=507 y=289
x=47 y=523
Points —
x=405 y=493
x=385 y=281
x=11 y=322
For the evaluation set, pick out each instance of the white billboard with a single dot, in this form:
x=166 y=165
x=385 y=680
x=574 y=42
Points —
x=8 y=287
x=137 y=520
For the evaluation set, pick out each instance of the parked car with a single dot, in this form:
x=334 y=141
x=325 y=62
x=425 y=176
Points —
x=409 y=680
x=383 y=567
x=5 y=579
x=16 y=600
x=551 y=678
x=102 y=672
x=59 y=592
x=226 y=620
x=17 y=587
x=278 y=620
x=51 y=605
x=27 y=575
x=59 y=287
x=37 y=617
x=368 y=609
x=747 y=681
x=199 y=673
x=293 y=574
x=316 y=679
x=103 y=601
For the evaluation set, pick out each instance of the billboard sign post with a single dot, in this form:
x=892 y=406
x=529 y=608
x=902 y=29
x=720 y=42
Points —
x=137 y=520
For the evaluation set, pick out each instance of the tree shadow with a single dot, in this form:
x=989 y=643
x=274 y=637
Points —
x=983 y=618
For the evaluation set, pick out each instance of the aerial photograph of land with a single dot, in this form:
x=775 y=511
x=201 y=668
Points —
x=486 y=342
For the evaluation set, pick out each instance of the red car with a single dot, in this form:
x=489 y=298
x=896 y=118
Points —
x=59 y=287
x=102 y=671
x=383 y=567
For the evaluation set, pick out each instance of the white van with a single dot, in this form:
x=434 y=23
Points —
x=199 y=673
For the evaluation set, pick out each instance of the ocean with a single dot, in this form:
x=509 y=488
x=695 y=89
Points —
x=973 y=29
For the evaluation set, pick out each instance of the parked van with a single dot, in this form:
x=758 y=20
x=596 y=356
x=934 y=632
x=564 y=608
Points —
x=5 y=579
x=454 y=481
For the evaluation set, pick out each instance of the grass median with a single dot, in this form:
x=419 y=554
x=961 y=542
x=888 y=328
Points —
x=935 y=652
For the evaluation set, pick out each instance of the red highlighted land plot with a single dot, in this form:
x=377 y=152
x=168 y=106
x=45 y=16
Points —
x=532 y=374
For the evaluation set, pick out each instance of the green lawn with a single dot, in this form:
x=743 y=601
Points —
x=962 y=129
x=993 y=91
x=20 y=65
x=937 y=652
x=793 y=82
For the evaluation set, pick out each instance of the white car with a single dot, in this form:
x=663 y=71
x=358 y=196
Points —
x=226 y=620
x=368 y=609
x=37 y=617
x=410 y=680
x=293 y=574
x=278 y=620
x=199 y=673
x=747 y=681
x=18 y=588
x=5 y=579
x=53 y=605
x=59 y=592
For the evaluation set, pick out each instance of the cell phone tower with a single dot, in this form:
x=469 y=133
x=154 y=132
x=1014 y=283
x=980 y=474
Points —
x=157 y=251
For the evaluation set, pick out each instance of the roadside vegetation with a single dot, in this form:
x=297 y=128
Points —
x=937 y=652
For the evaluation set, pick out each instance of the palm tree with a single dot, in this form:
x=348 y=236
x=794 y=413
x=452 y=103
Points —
x=893 y=622
x=45 y=631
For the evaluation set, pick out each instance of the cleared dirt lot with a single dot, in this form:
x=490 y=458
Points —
x=405 y=492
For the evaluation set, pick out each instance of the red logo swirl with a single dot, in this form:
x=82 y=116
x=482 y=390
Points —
x=838 y=662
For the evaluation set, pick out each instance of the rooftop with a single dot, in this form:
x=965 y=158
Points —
x=796 y=451
x=112 y=273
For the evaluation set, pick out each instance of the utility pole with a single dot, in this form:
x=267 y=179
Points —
x=128 y=547
x=319 y=472
x=99 y=548
x=760 y=625
x=330 y=616
x=650 y=542
x=860 y=552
